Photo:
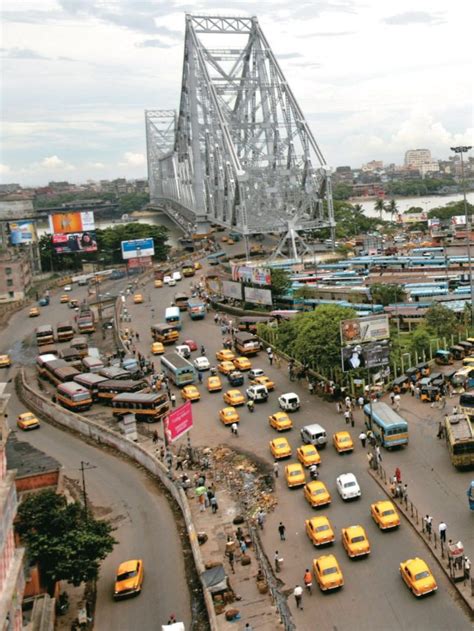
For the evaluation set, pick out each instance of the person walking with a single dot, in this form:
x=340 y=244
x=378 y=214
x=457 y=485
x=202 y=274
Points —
x=275 y=469
x=338 y=407
x=440 y=433
x=311 y=387
x=200 y=376
x=155 y=437
x=298 y=594
x=282 y=531
x=214 y=504
x=173 y=399
x=347 y=416
x=260 y=519
x=398 y=475
x=360 y=403
x=429 y=524
x=467 y=568
x=392 y=398
x=203 y=350
x=363 y=439
x=308 y=580
x=378 y=455
x=234 y=429
x=276 y=559
x=230 y=556
x=442 y=529
x=396 y=401
x=270 y=358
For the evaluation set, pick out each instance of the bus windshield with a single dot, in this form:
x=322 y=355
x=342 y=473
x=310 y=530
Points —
x=388 y=426
x=172 y=316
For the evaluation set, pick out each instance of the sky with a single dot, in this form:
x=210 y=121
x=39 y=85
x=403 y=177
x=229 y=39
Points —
x=373 y=78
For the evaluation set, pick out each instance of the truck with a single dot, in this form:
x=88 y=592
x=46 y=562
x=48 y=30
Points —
x=85 y=320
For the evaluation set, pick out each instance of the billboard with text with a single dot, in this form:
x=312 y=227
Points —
x=65 y=223
x=232 y=290
x=368 y=329
x=371 y=355
x=178 y=422
x=258 y=296
x=74 y=242
x=22 y=232
x=138 y=248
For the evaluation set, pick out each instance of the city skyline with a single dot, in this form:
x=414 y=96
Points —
x=76 y=112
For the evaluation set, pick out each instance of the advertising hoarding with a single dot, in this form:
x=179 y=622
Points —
x=458 y=220
x=138 y=248
x=143 y=261
x=413 y=217
x=178 y=422
x=371 y=355
x=74 y=242
x=255 y=275
x=258 y=296
x=22 y=232
x=66 y=223
x=232 y=290
x=367 y=329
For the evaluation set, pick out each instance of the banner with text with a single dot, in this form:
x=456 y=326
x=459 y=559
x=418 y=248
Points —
x=22 y=232
x=258 y=296
x=368 y=329
x=138 y=248
x=255 y=275
x=371 y=355
x=178 y=422
x=232 y=290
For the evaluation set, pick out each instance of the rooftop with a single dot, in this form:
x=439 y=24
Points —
x=28 y=460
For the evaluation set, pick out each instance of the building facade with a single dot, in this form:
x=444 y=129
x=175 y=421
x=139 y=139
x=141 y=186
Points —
x=15 y=274
x=414 y=158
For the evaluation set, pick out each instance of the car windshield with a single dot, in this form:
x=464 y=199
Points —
x=295 y=472
x=126 y=575
x=318 y=491
x=348 y=484
x=322 y=528
x=387 y=512
x=311 y=451
x=281 y=445
x=28 y=417
x=420 y=575
x=330 y=570
x=344 y=439
x=358 y=539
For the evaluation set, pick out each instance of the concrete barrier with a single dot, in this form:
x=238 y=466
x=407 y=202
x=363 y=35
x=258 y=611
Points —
x=104 y=436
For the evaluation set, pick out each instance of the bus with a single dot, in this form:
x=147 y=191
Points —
x=59 y=371
x=44 y=335
x=80 y=344
x=181 y=301
x=114 y=372
x=165 y=333
x=85 y=320
x=173 y=316
x=246 y=343
x=466 y=404
x=388 y=426
x=41 y=362
x=72 y=356
x=106 y=390
x=179 y=370
x=187 y=269
x=64 y=332
x=73 y=396
x=90 y=381
x=147 y=407
x=460 y=440
x=215 y=257
x=196 y=308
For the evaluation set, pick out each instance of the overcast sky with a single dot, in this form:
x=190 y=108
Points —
x=373 y=78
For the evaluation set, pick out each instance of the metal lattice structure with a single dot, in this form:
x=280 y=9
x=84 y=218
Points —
x=239 y=153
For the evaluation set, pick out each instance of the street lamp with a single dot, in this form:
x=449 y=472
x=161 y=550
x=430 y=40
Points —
x=462 y=150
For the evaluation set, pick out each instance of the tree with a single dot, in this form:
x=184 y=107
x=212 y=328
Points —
x=379 y=206
x=280 y=281
x=386 y=294
x=441 y=321
x=342 y=191
x=58 y=537
x=420 y=340
x=392 y=208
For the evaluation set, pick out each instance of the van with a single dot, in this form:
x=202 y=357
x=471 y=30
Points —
x=92 y=364
x=255 y=372
x=183 y=350
x=314 y=434
x=289 y=402
x=257 y=393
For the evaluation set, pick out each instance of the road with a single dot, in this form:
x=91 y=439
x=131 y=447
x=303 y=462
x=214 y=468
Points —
x=374 y=596
x=145 y=524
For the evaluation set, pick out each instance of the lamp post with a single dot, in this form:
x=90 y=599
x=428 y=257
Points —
x=84 y=467
x=462 y=150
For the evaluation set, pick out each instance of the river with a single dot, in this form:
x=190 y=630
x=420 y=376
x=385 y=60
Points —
x=404 y=203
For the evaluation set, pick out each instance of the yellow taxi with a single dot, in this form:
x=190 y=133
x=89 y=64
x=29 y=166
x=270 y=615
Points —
x=224 y=239
x=418 y=577
x=34 y=312
x=190 y=393
x=242 y=363
x=64 y=298
x=319 y=530
x=280 y=421
x=342 y=441
x=158 y=284
x=27 y=421
x=263 y=380
x=138 y=299
x=225 y=355
x=229 y=415
x=317 y=494
x=197 y=265
x=225 y=367
x=157 y=348
x=214 y=384
x=308 y=455
x=355 y=541
x=5 y=361
x=280 y=448
x=234 y=397
x=129 y=578
x=294 y=474
x=327 y=572
x=385 y=515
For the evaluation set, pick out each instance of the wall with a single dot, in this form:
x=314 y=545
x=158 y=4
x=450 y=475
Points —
x=37 y=481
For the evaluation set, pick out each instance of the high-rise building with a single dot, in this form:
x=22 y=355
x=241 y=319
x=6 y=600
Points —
x=414 y=158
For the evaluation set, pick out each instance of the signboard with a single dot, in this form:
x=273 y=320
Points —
x=213 y=285
x=66 y=223
x=258 y=296
x=413 y=217
x=178 y=422
x=74 y=242
x=22 y=232
x=255 y=275
x=458 y=220
x=144 y=261
x=367 y=329
x=369 y=355
x=232 y=290
x=138 y=248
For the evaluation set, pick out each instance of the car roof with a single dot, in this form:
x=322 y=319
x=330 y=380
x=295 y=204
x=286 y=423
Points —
x=416 y=564
x=384 y=504
x=289 y=394
x=316 y=484
x=342 y=433
x=328 y=560
x=279 y=441
x=319 y=519
x=128 y=565
x=314 y=427
x=345 y=477
x=294 y=465
x=355 y=530
x=307 y=448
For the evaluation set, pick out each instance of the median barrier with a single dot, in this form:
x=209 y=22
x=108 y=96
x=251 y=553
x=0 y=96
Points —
x=104 y=436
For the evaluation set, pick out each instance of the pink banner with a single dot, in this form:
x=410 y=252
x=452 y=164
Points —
x=178 y=422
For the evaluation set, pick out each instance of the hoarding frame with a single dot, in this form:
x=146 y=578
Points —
x=367 y=329
x=137 y=248
x=178 y=422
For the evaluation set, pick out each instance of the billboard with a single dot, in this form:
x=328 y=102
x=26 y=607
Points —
x=255 y=275
x=74 y=242
x=22 y=232
x=232 y=290
x=178 y=422
x=138 y=248
x=458 y=220
x=144 y=261
x=66 y=223
x=367 y=329
x=258 y=296
x=371 y=355
x=413 y=217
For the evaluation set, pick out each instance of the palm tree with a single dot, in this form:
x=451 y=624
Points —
x=380 y=206
x=358 y=208
x=392 y=208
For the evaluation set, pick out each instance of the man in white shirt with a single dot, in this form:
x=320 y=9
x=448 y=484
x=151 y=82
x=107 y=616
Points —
x=298 y=594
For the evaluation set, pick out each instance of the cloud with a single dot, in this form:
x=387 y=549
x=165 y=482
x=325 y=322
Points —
x=415 y=17
x=21 y=53
x=4 y=169
x=55 y=163
x=132 y=159
x=96 y=165
x=153 y=43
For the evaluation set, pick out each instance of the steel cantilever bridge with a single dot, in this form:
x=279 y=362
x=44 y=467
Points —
x=239 y=152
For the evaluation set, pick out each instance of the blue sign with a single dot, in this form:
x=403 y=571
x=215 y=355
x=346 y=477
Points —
x=137 y=248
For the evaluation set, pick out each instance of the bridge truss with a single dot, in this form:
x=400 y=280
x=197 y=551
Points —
x=239 y=152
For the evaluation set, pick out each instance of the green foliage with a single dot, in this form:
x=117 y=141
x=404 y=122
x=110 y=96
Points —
x=391 y=208
x=420 y=340
x=424 y=186
x=450 y=210
x=133 y=201
x=341 y=191
x=58 y=537
x=379 y=206
x=280 y=281
x=304 y=292
x=386 y=294
x=441 y=321
x=351 y=220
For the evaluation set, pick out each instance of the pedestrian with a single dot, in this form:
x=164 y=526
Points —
x=155 y=437
x=392 y=397
x=396 y=400
x=347 y=401
x=455 y=410
x=275 y=469
x=363 y=439
x=352 y=419
x=234 y=429
x=467 y=568
x=230 y=556
x=202 y=502
x=429 y=524
x=172 y=619
x=311 y=387
x=260 y=519
x=308 y=580
x=137 y=336
x=248 y=627
x=360 y=402
x=347 y=416
x=243 y=546
x=440 y=433
x=417 y=392
x=203 y=350
x=298 y=594
x=179 y=464
x=282 y=531
x=277 y=561
x=378 y=455
x=216 y=318
x=412 y=388
x=404 y=492
x=442 y=528
x=338 y=407
x=398 y=475
x=173 y=400
x=200 y=376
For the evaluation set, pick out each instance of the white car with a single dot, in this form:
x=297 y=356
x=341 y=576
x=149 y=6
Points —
x=290 y=402
x=257 y=393
x=177 y=276
x=347 y=486
x=201 y=363
x=172 y=282
x=67 y=288
x=166 y=280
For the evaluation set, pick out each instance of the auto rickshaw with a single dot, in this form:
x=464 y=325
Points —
x=436 y=379
x=443 y=357
x=412 y=374
x=401 y=384
x=458 y=352
x=449 y=375
x=429 y=393
x=423 y=369
x=467 y=346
